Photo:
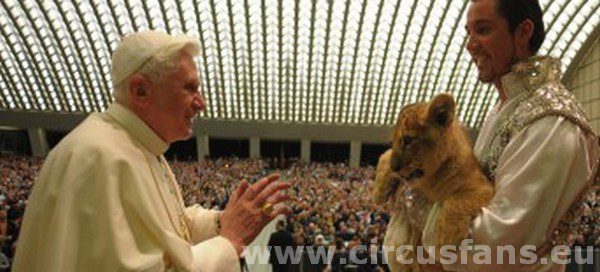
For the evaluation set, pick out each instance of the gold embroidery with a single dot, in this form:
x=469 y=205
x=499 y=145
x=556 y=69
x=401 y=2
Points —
x=545 y=96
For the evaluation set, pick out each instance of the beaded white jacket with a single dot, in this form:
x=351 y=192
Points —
x=540 y=153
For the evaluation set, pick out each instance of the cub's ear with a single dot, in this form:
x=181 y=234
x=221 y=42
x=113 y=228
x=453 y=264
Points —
x=441 y=110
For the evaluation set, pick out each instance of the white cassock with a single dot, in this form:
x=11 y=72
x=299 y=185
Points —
x=538 y=176
x=106 y=200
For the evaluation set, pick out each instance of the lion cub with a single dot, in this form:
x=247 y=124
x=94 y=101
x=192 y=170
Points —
x=432 y=157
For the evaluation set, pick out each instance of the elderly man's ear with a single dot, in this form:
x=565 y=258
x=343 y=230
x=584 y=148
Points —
x=138 y=90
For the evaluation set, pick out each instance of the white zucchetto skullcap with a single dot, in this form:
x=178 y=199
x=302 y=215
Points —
x=137 y=48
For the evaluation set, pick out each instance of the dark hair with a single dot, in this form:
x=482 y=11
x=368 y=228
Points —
x=517 y=11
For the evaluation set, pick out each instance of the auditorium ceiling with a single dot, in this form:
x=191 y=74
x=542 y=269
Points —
x=342 y=62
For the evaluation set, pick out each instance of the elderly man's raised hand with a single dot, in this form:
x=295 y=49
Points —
x=251 y=208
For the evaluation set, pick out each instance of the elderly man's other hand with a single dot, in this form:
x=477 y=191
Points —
x=251 y=208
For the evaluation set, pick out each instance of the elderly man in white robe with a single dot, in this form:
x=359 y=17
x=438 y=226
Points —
x=106 y=199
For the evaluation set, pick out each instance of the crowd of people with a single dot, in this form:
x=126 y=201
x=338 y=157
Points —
x=17 y=176
x=331 y=201
x=331 y=207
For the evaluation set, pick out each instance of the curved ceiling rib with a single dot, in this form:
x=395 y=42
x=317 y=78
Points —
x=352 y=62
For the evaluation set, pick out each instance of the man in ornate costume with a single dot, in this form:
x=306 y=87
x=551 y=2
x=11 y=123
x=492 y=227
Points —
x=536 y=145
x=106 y=199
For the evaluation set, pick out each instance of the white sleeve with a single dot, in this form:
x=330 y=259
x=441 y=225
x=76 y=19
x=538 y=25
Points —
x=201 y=223
x=210 y=252
x=539 y=175
x=216 y=254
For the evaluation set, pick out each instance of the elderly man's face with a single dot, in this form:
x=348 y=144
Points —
x=176 y=100
x=491 y=45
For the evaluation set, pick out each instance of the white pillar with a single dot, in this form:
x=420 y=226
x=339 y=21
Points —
x=37 y=140
x=202 y=146
x=305 y=150
x=355 y=147
x=254 y=147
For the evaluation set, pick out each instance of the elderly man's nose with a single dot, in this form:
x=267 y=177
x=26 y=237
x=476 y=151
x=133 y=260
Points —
x=199 y=103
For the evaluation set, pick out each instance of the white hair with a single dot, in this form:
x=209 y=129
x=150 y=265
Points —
x=155 y=68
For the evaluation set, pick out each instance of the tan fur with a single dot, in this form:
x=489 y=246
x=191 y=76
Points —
x=427 y=137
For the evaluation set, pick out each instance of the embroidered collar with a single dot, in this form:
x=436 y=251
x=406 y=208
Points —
x=529 y=75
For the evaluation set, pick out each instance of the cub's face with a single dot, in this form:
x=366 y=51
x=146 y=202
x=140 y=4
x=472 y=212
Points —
x=420 y=138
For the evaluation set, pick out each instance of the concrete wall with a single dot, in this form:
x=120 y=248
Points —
x=204 y=129
x=585 y=81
